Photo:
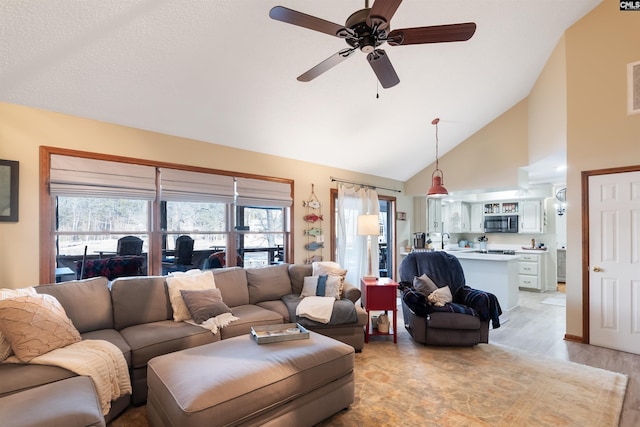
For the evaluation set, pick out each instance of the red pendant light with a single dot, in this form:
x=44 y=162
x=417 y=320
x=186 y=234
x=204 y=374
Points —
x=437 y=177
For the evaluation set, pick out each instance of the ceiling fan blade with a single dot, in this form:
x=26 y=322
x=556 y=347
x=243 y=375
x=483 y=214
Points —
x=381 y=65
x=432 y=34
x=325 y=65
x=300 y=19
x=381 y=13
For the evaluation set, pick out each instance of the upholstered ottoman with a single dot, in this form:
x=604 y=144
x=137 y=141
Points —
x=241 y=383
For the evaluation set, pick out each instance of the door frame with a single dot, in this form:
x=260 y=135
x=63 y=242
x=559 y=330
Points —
x=585 y=175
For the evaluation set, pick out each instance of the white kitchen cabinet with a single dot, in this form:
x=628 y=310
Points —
x=476 y=221
x=434 y=215
x=531 y=268
x=531 y=217
x=456 y=217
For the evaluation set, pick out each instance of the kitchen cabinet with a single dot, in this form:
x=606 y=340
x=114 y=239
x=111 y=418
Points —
x=476 y=222
x=531 y=217
x=531 y=268
x=434 y=215
x=456 y=217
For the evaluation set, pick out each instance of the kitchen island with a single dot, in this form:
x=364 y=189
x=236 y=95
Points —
x=494 y=273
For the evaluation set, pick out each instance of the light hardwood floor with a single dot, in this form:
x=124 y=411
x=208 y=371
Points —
x=540 y=328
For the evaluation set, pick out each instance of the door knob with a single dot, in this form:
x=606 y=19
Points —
x=597 y=269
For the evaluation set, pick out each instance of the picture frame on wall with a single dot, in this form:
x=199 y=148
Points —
x=9 y=176
x=633 y=86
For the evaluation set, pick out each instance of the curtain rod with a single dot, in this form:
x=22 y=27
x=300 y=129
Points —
x=373 y=187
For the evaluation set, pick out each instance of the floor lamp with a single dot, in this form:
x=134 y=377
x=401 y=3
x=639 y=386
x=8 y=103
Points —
x=368 y=225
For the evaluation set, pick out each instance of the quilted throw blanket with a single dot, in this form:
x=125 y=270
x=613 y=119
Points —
x=342 y=311
x=100 y=360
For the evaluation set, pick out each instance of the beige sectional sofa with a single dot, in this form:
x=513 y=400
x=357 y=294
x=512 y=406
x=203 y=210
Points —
x=135 y=314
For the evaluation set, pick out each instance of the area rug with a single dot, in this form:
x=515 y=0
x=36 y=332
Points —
x=485 y=385
x=560 y=300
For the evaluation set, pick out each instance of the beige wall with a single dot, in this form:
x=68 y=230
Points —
x=600 y=134
x=548 y=108
x=23 y=130
x=490 y=158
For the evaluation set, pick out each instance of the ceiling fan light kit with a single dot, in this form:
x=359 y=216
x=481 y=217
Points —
x=437 y=189
x=366 y=29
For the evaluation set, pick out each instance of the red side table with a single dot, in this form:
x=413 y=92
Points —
x=380 y=294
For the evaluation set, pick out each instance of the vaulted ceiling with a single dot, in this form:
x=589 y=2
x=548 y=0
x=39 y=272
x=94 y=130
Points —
x=224 y=72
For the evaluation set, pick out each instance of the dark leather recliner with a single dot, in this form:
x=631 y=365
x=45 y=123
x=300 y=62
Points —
x=464 y=322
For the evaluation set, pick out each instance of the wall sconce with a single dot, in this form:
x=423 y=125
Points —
x=561 y=196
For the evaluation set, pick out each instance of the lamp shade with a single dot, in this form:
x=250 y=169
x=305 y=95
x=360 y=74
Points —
x=368 y=225
x=437 y=189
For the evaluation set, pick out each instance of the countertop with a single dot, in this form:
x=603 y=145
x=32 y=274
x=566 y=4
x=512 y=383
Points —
x=472 y=253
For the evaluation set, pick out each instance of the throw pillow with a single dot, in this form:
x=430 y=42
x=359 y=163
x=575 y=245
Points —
x=196 y=280
x=35 y=325
x=424 y=285
x=329 y=268
x=5 y=347
x=204 y=304
x=332 y=286
x=440 y=296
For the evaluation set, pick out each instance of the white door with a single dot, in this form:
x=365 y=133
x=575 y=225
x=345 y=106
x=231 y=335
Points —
x=614 y=261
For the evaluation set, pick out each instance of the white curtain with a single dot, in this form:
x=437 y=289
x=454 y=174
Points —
x=351 y=248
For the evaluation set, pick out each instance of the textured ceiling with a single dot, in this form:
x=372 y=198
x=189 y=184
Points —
x=224 y=72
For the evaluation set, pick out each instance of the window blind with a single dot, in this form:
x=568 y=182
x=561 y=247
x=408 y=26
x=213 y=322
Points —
x=258 y=192
x=81 y=177
x=188 y=186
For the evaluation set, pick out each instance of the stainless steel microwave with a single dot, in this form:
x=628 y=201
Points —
x=501 y=224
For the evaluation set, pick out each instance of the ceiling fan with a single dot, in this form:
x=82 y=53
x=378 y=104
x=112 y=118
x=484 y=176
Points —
x=368 y=28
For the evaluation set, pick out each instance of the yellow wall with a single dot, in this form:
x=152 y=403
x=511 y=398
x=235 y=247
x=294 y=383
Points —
x=600 y=134
x=23 y=130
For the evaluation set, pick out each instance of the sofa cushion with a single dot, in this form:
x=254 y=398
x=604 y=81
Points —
x=71 y=403
x=232 y=283
x=139 y=300
x=20 y=377
x=114 y=337
x=194 y=279
x=297 y=273
x=204 y=304
x=248 y=316
x=268 y=283
x=35 y=325
x=5 y=347
x=153 y=339
x=86 y=302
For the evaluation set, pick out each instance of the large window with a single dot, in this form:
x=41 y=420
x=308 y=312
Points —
x=96 y=223
x=91 y=201
x=261 y=235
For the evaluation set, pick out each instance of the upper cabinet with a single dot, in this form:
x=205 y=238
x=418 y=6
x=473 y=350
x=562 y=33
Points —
x=476 y=223
x=434 y=215
x=457 y=217
x=531 y=216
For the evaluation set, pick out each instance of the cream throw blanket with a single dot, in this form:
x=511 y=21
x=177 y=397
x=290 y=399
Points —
x=100 y=360
x=316 y=308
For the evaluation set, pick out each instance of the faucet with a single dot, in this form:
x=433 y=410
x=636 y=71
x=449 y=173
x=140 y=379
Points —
x=442 y=241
